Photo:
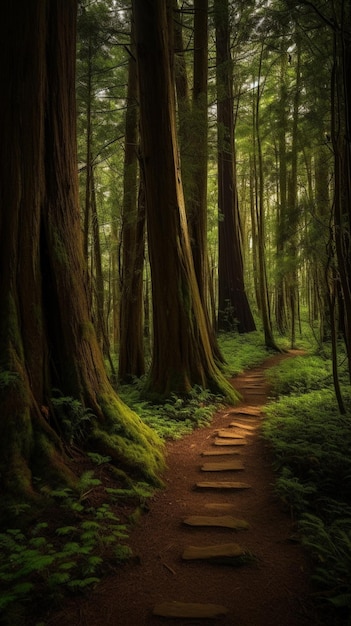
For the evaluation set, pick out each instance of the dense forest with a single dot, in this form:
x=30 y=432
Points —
x=175 y=185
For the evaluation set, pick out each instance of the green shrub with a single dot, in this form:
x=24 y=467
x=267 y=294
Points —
x=311 y=443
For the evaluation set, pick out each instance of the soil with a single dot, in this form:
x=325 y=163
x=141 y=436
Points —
x=271 y=590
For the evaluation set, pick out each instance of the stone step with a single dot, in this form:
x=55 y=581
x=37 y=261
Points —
x=243 y=426
x=223 y=466
x=222 y=484
x=191 y=610
x=223 y=521
x=228 y=433
x=247 y=410
x=213 y=552
x=220 y=506
x=253 y=385
x=221 y=441
x=255 y=376
x=220 y=453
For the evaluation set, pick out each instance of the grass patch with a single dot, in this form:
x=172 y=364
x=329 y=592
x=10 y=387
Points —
x=242 y=352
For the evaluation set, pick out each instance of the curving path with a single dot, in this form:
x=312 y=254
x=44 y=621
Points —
x=216 y=545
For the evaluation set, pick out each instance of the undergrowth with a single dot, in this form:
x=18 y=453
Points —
x=242 y=351
x=74 y=543
x=79 y=536
x=311 y=443
x=178 y=415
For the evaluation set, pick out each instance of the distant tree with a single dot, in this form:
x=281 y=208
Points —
x=182 y=355
x=131 y=346
x=233 y=306
x=260 y=215
x=47 y=340
x=341 y=140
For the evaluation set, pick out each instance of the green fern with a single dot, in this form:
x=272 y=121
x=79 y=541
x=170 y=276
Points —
x=74 y=419
x=99 y=459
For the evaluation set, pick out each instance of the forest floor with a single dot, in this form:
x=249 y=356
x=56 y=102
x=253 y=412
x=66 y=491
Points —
x=271 y=590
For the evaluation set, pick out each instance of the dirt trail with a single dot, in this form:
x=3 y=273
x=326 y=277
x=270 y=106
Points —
x=273 y=590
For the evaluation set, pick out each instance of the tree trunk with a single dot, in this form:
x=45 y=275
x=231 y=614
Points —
x=341 y=134
x=260 y=216
x=234 y=309
x=280 y=301
x=131 y=349
x=182 y=355
x=47 y=339
x=193 y=140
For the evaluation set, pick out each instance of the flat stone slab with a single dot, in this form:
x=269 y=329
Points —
x=189 y=610
x=222 y=484
x=252 y=384
x=228 y=433
x=257 y=376
x=220 y=506
x=222 y=441
x=223 y=466
x=227 y=550
x=247 y=410
x=220 y=453
x=247 y=427
x=224 y=521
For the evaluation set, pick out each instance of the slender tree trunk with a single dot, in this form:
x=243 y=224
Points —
x=293 y=209
x=263 y=287
x=131 y=350
x=341 y=133
x=182 y=355
x=280 y=306
x=234 y=309
x=99 y=286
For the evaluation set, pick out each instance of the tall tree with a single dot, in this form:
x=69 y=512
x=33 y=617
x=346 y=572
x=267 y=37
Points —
x=193 y=141
x=264 y=303
x=282 y=129
x=182 y=354
x=47 y=339
x=234 y=309
x=341 y=139
x=131 y=348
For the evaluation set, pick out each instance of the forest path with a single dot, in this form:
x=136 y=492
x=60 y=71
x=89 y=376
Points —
x=272 y=590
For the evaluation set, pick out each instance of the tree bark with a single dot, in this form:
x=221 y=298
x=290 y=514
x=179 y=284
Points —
x=341 y=140
x=234 y=310
x=260 y=217
x=182 y=355
x=47 y=340
x=131 y=348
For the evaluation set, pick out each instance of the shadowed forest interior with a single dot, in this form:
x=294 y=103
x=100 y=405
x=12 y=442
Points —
x=175 y=207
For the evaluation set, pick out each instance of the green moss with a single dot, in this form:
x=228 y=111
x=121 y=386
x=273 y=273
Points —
x=87 y=330
x=137 y=459
x=127 y=439
x=49 y=464
x=59 y=249
x=220 y=384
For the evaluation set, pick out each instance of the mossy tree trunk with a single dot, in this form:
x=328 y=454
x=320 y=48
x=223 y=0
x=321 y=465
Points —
x=47 y=339
x=182 y=355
